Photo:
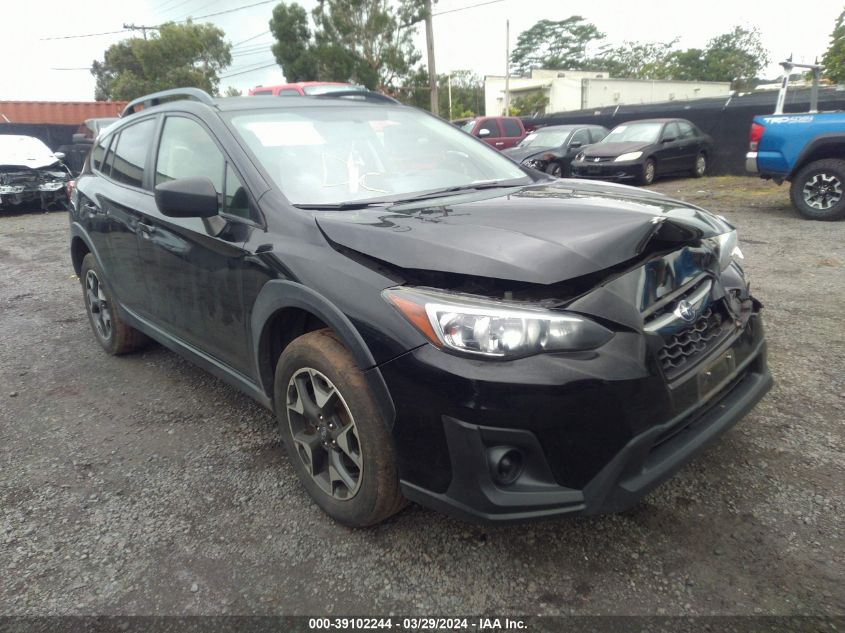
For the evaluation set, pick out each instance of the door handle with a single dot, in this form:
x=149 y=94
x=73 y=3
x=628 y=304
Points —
x=147 y=229
x=499 y=143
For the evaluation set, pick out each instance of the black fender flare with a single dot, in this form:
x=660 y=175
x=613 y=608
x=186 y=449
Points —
x=835 y=138
x=280 y=294
x=77 y=231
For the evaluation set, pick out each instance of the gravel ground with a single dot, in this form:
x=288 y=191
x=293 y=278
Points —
x=142 y=485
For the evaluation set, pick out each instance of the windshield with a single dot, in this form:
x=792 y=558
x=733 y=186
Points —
x=545 y=138
x=640 y=132
x=467 y=127
x=340 y=154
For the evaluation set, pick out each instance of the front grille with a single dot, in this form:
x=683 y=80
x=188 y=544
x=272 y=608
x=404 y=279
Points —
x=684 y=349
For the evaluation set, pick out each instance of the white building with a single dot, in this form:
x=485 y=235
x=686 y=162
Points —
x=583 y=89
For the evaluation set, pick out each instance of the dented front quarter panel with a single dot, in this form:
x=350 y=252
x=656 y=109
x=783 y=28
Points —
x=539 y=234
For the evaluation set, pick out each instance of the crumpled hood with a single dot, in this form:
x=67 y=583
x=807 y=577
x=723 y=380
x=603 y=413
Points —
x=614 y=149
x=25 y=151
x=519 y=154
x=538 y=234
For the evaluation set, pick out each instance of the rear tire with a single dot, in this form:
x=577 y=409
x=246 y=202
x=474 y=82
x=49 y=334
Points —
x=818 y=190
x=699 y=168
x=104 y=315
x=336 y=437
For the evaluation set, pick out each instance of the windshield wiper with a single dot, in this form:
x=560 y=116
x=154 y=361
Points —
x=478 y=186
x=349 y=205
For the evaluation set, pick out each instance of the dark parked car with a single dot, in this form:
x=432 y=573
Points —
x=428 y=320
x=551 y=149
x=640 y=151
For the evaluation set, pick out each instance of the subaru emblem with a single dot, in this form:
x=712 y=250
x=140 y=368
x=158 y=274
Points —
x=685 y=310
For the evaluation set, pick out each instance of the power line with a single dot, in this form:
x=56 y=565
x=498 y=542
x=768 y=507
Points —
x=72 y=37
x=198 y=17
x=243 y=72
x=249 y=39
x=472 y=6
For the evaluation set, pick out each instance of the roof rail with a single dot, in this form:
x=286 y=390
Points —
x=155 y=98
x=354 y=95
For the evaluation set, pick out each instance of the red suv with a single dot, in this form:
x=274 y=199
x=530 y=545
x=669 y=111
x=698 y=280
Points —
x=499 y=131
x=302 y=88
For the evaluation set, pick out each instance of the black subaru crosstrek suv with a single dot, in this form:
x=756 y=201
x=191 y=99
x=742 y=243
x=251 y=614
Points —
x=428 y=320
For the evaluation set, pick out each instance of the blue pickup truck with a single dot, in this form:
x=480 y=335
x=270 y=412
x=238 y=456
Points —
x=807 y=150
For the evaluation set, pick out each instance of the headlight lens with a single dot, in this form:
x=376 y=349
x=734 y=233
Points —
x=726 y=247
x=628 y=156
x=484 y=327
x=580 y=156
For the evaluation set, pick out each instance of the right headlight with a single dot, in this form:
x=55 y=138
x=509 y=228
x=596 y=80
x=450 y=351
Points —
x=580 y=156
x=726 y=247
x=484 y=327
x=628 y=156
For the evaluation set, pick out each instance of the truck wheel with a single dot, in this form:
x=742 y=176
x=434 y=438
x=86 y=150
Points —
x=818 y=190
x=337 y=440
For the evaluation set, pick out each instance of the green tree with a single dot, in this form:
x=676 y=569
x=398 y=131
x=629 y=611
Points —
x=531 y=103
x=177 y=56
x=467 y=92
x=363 y=41
x=231 y=91
x=834 y=58
x=736 y=56
x=686 y=65
x=550 y=44
x=638 y=60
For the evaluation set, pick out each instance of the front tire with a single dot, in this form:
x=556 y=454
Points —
x=648 y=173
x=555 y=170
x=818 y=190
x=335 y=434
x=110 y=330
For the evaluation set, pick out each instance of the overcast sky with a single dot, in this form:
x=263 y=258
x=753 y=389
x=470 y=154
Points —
x=473 y=39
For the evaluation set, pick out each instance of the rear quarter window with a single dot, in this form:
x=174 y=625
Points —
x=99 y=153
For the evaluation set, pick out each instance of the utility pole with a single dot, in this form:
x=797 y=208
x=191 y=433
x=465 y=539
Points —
x=450 y=94
x=142 y=28
x=432 y=72
x=507 y=67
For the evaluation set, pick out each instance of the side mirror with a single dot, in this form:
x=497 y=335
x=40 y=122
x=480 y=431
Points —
x=669 y=139
x=483 y=132
x=575 y=144
x=187 y=198
x=59 y=155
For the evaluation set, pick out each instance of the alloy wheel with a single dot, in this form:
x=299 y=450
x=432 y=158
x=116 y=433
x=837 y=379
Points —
x=700 y=165
x=822 y=191
x=98 y=305
x=649 y=172
x=324 y=433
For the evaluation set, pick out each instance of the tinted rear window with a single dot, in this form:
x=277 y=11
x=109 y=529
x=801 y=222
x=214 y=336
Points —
x=98 y=153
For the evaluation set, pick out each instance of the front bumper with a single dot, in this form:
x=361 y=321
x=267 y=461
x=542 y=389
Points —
x=596 y=432
x=611 y=170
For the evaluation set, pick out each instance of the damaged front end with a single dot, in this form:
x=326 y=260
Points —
x=616 y=337
x=44 y=186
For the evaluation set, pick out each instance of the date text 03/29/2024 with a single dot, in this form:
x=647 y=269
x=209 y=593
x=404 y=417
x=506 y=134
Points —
x=417 y=624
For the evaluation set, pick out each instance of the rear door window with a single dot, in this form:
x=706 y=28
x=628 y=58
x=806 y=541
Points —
x=511 y=128
x=687 y=130
x=130 y=155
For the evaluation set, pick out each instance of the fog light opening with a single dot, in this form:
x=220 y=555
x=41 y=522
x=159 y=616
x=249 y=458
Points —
x=506 y=464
